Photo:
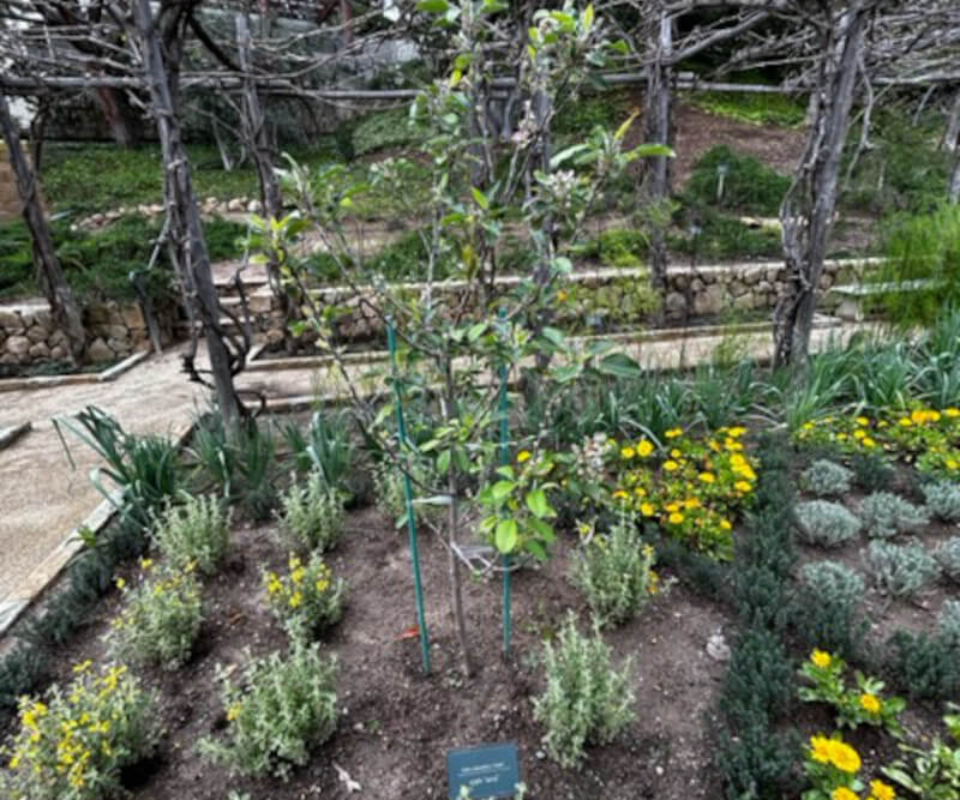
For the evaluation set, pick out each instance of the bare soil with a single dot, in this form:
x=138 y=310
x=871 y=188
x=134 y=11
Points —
x=397 y=724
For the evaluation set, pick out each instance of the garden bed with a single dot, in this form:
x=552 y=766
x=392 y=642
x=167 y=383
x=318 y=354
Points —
x=40 y=376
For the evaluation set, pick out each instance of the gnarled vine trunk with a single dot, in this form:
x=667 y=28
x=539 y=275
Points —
x=50 y=275
x=808 y=208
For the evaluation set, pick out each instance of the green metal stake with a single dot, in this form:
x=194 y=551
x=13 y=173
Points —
x=408 y=498
x=504 y=460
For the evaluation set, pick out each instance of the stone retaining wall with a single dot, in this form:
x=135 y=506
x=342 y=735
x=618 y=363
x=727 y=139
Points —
x=609 y=299
x=28 y=335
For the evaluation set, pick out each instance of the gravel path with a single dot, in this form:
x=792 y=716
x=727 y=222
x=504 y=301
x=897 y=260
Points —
x=41 y=497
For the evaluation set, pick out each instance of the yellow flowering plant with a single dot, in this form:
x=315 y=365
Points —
x=926 y=437
x=307 y=598
x=160 y=619
x=863 y=704
x=72 y=744
x=693 y=487
x=832 y=766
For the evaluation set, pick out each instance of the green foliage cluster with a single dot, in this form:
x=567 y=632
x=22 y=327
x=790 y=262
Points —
x=381 y=130
x=752 y=107
x=926 y=666
x=160 y=619
x=195 y=534
x=715 y=237
x=901 y=570
x=616 y=573
x=872 y=471
x=904 y=170
x=616 y=247
x=326 y=448
x=98 y=264
x=923 y=265
x=826 y=524
x=749 y=186
x=575 y=121
x=281 y=709
x=827 y=600
x=312 y=513
x=240 y=461
x=586 y=700
x=754 y=757
x=826 y=478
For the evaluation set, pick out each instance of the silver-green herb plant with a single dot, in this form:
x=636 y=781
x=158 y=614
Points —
x=586 y=700
x=160 y=619
x=826 y=478
x=948 y=625
x=283 y=706
x=195 y=534
x=884 y=515
x=943 y=500
x=74 y=742
x=826 y=524
x=312 y=513
x=616 y=573
x=388 y=483
x=833 y=583
x=308 y=597
x=948 y=556
x=900 y=570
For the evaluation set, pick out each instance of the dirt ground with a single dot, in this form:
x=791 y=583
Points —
x=396 y=724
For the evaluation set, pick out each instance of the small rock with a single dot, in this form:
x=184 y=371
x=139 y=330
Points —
x=235 y=205
x=253 y=207
x=18 y=345
x=98 y=351
x=717 y=647
x=40 y=350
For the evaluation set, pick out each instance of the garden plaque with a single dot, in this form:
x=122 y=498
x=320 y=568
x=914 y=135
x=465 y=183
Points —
x=487 y=771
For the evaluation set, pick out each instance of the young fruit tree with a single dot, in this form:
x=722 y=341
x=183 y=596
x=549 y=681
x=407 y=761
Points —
x=462 y=338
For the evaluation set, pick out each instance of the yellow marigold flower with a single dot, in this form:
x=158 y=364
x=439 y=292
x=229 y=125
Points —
x=821 y=659
x=671 y=466
x=844 y=757
x=918 y=416
x=640 y=492
x=708 y=477
x=648 y=509
x=733 y=445
x=870 y=703
x=523 y=456
x=675 y=453
x=627 y=453
x=296 y=599
x=843 y=793
x=807 y=426
x=737 y=432
x=862 y=421
x=906 y=422
x=743 y=486
x=644 y=448
x=841 y=437
x=673 y=433
x=820 y=749
x=726 y=525
x=146 y=563
x=738 y=460
x=322 y=585
x=868 y=442
x=120 y=583
x=952 y=412
x=859 y=434
x=882 y=791
x=691 y=503
x=234 y=712
x=951 y=464
x=671 y=507
x=933 y=416
x=620 y=495
x=676 y=518
x=298 y=574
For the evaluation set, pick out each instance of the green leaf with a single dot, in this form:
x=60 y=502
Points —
x=619 y=365
x=538 y=550
x=433 y=6
x=502 y=489
x=506 y=535
x=653 y=151
x=537 y=503
x=443 y=461
x=566 y=155
x=506 y=471
x=480 y=198
x=476 y=331
x=622 y=130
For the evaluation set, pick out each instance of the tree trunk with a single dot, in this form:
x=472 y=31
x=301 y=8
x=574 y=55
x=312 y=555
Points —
x=808 y=208
x=658 y=130
x=953 y=191
x=118 y=114
x=53 y=282
x=184 y=214
x=951 y=138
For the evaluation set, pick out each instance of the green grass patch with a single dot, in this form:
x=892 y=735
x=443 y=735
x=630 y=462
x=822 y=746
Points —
x=98 y=265
x=616 y=247
x=752 y=107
